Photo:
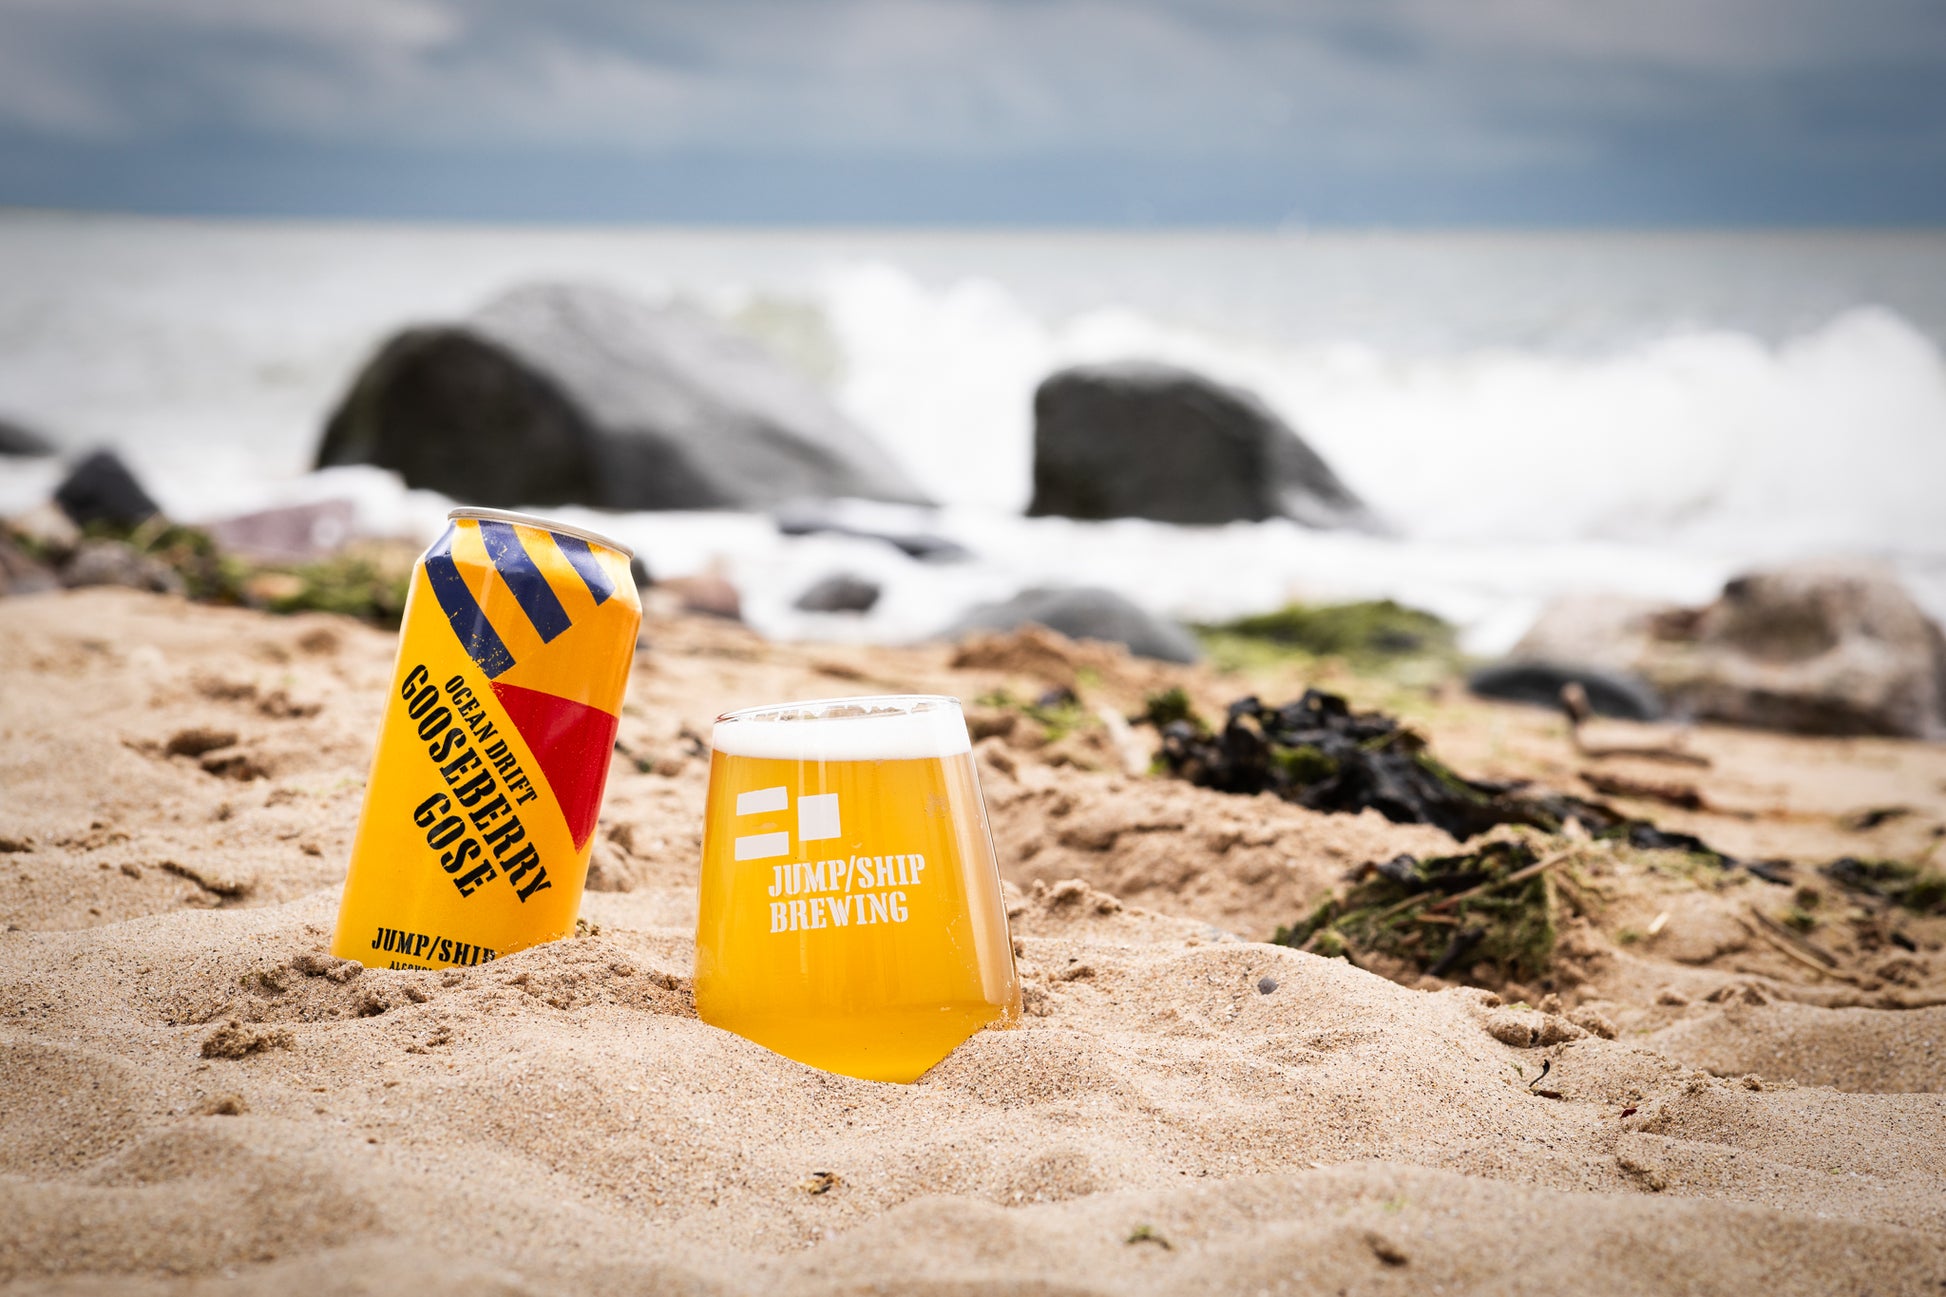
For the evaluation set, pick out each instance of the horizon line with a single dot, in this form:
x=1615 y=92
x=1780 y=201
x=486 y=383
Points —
x=756 y=225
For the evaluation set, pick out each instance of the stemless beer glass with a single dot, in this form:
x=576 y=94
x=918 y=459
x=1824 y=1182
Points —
x=850 y=913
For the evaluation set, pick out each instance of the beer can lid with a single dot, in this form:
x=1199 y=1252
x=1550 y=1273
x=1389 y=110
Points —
x=545 y=524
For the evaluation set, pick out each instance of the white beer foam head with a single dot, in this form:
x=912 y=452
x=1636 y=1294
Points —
x=846 y=729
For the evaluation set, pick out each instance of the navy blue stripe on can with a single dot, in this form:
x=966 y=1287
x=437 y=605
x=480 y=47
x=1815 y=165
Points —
x=593 y=575
x=531 y=590
x=463 y=612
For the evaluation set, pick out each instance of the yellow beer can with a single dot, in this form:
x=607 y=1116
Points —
x=513 y=659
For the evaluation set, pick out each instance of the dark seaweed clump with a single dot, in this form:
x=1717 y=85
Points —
x=1443 y=916
x=1321 y=754
x=1910 y=886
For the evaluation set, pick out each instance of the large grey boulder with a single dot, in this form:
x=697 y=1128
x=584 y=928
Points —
x=1824 y=648
x=575 y=394
x=1085 y=612
x=1138 y=440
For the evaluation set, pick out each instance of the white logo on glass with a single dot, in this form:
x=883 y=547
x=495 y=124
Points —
x=817 y=818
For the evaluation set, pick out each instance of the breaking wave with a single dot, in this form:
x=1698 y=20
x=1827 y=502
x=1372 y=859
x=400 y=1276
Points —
x=1655 y=461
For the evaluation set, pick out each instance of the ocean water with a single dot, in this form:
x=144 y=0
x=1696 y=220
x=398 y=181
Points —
x=1535 y=414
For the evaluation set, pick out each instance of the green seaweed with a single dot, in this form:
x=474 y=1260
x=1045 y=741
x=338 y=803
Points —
x=1060 y=713
x=1305 y=764
x=1367 y=631
x=1169 y=706
x=351 y=583
x=1510 y=927
x=368 y=582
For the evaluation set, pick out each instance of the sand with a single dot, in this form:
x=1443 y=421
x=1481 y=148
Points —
x=198 y=1098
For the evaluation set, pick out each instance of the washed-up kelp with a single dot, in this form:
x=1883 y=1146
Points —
x=1443 y=916
x=1921 y=890
x=1320 y=754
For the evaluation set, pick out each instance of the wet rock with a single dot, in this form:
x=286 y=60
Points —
x=21 y=572
x=22 y=442
x=1085 y=613
x=575 y=394
x=1137 y=440
x=292 y=534
x=1820 y=649
x=101 y=489
x=1824 y=648
x=114 y=562
x=916 y=545
x=46 y=530
x=1610 y=693
x=707 y=594
x=840 y=592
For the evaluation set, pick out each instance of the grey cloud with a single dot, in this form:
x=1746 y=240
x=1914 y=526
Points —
x=1273 y=95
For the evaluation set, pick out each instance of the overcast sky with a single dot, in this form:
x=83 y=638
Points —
x=1398 y=112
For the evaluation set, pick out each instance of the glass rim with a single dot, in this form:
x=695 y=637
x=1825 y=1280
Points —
x=882 y=704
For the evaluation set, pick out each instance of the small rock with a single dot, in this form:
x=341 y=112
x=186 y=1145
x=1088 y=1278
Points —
x=20 y=573
x=46 y=528
x=1610 y=693
x=114 y=562
x=842 y=593
x=102 y=489
x=20 y=442
x=915 y=545
x=709 y=595
x=292 y=534
x=1265 y=985
x=1085 y=613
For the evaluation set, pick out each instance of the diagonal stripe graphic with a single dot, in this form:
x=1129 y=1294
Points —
x=531 y=590
x=593 y=575
x=463 y=612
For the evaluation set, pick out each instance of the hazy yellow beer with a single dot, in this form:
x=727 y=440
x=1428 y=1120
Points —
x=850 y=912
x=491 y=760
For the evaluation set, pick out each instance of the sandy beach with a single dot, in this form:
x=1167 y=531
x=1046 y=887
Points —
x=199 y=1099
